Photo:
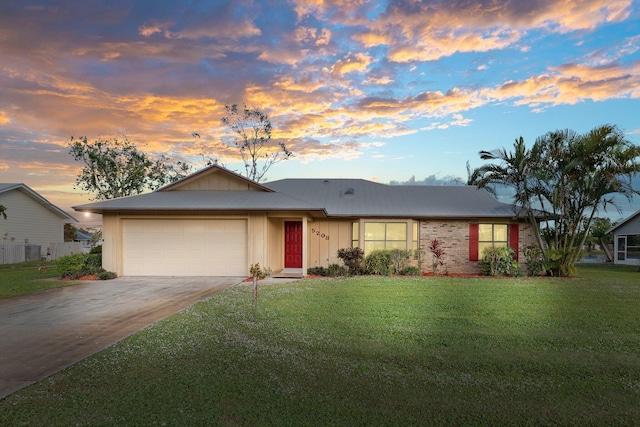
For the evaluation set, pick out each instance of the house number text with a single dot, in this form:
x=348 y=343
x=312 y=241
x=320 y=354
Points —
x=320 y=234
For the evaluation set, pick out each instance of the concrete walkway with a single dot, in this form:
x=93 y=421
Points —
x=43 y=333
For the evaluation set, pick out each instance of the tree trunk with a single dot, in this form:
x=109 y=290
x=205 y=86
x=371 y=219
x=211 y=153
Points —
x=605 y=248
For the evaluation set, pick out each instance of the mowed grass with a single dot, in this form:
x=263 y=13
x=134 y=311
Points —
x=25 y=278
x=369 y=351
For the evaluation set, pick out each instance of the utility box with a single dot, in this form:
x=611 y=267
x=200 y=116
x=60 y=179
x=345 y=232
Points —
x=32 y=252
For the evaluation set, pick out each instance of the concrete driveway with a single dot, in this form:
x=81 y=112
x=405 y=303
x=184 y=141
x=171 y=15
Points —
x=43 y=333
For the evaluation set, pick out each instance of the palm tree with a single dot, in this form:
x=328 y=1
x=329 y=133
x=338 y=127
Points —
x=606 y=165
x=571 y=177
x=514 y=171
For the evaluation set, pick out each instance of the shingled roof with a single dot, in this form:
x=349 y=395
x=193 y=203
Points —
x=354 y=198
x=362 y=198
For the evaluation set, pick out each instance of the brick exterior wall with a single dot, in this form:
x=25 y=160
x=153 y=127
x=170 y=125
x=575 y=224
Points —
x=453 y=235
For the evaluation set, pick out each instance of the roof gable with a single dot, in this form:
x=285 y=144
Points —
x=215 y=178
x=632 y=223
x=24 y=189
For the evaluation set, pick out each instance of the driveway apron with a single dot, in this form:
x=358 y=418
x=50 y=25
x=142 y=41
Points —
x=43 y=333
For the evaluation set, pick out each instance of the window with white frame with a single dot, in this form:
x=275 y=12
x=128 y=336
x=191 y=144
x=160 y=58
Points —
x=628 y=247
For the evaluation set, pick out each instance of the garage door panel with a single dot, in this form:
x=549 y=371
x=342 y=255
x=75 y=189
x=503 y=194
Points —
x=184 y=247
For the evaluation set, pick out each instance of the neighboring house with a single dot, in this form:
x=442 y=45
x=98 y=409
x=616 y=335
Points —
x=84 y=239
x=626 y=241
x=31 y=219
x=216 y=222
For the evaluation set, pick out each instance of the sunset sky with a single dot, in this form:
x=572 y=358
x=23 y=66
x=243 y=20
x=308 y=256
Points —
x=380 y=90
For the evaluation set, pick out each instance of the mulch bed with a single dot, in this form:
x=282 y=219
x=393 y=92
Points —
x=90 y=277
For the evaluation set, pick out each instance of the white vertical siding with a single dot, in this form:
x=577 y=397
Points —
x=29 y=220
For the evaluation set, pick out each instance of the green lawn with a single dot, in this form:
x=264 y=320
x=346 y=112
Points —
x=25 y=278
x=369 y=351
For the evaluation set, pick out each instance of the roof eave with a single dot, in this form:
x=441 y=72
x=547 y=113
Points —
x=125 y=211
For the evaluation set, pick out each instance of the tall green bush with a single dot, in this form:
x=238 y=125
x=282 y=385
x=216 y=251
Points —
x=499 y=262
x=71 y=266
x=379 y=262
x=534 y=260
x=77 y=265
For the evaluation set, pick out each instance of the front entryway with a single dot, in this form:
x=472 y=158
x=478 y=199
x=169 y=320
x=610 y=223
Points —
x=293 y=244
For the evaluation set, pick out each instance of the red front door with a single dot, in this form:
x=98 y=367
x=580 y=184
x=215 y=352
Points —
x=292 y=244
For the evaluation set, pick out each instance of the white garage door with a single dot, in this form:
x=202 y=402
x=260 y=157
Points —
x=184 y=247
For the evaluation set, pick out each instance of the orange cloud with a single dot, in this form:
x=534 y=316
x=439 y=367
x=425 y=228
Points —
x=571 y=15
x=352 y=62
x=429 y=31
x=384 y=80
x=4 y=118
x=430 y=47
x=571 y=84
x=147 y=30
x=233 y=29
x=373 y=38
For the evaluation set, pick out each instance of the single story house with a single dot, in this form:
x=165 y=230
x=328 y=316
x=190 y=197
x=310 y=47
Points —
x=216 y=222
x=626 y=241
x=31 y=219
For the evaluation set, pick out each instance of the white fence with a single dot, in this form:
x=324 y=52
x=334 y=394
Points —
x=11 y=254
x=56 y=250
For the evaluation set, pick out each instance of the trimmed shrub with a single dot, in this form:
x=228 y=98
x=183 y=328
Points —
x=71 y=266
x=93 y=263
x=336 y=270
x=353 y=259
x=499 y=262
x=317 y=271
x=410 y=270
x=378 y=262
x=106 y=275
x=77 y=265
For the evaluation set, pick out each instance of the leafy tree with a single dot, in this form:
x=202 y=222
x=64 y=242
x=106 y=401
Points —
x=569 y=176
x=69 y=232
x=115 y=168
x=257 y=150
x=3 y=211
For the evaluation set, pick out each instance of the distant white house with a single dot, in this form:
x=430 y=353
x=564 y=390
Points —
x=626 y=242
x=31 y=219
x=85 y=239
